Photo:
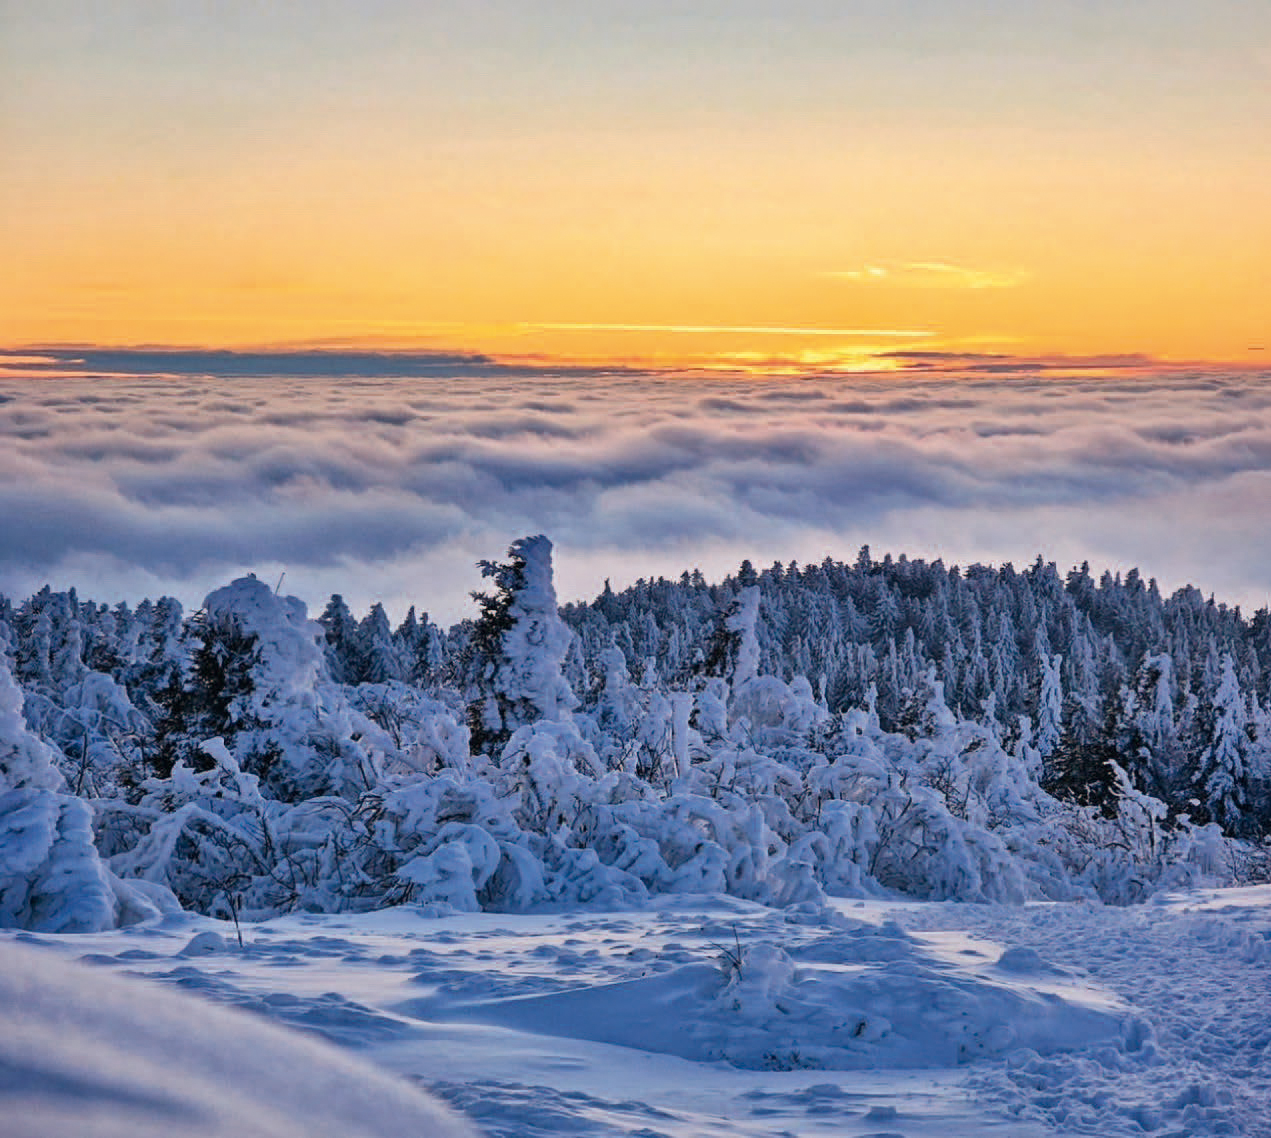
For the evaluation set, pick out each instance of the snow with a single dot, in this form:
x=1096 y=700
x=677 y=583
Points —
x=51 y=876
x=535 y=643
x=705 y=906
x=256 y=784
x=850 y=1004
x=83 y=1055
x=687 y=1015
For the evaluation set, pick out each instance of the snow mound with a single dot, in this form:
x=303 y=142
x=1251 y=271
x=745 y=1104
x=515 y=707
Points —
x=203 y=943
x=1026 y=961
x=856 y=999
x=83 y=1055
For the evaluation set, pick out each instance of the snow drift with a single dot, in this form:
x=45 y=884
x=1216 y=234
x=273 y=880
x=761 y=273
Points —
x=85 y=1055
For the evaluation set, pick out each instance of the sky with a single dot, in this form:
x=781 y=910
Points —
x=360 y=293
x=811 y=184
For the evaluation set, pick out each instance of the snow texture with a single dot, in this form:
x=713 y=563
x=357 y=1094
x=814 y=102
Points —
x=694 y=1015
x=83 y=1055
x=522 y=861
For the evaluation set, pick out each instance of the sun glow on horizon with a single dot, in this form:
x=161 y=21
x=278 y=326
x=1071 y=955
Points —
x=721 y=185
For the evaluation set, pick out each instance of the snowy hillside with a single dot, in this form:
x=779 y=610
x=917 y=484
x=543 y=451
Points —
x=89 y=1056
x=717 y=832
x=695 y=1016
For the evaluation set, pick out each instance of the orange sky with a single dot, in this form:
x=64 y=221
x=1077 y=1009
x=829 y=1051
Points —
x=782 y=183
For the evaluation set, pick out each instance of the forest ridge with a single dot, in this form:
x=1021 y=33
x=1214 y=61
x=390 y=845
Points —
x=879 y=727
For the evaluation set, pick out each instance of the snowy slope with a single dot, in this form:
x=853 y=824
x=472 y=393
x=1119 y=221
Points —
x=711 y=1016
x=84 y=1055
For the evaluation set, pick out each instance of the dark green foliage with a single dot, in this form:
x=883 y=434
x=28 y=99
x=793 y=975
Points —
x=196 y=704
x=488 y=708
x=1081 y=772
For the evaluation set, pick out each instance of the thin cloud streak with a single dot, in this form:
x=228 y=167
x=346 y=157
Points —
x=964 y=362
x=931 y=274
x=734 y=329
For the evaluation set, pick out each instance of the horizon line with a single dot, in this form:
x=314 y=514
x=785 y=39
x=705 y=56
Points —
x=391 y=358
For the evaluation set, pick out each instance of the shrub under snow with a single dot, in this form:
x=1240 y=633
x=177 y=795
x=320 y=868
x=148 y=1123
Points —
x=51 y=877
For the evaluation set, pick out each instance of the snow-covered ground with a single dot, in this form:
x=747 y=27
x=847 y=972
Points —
x=710 y=1016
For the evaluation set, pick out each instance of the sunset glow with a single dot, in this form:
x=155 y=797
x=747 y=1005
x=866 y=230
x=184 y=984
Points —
x=664 y=188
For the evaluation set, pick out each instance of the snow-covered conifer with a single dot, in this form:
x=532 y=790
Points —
x=520 y=643
x=343 y=644
x=1050 y=706
x=1221 y=777
x=379 y=656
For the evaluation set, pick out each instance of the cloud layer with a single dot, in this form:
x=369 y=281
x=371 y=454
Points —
x=389 y=486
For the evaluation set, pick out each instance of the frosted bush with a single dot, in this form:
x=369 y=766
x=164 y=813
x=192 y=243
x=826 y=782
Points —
x=51 y=878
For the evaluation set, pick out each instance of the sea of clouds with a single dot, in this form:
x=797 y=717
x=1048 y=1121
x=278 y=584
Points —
x=151 y=473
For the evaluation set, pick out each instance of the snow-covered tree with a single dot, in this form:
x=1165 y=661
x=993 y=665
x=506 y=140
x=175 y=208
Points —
x=1221 y=776
x=519 y=646
x=259 y=681
x=1050 y=705
x=343 y=645
x=51 y=878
